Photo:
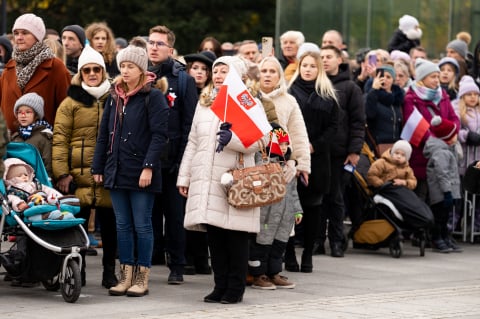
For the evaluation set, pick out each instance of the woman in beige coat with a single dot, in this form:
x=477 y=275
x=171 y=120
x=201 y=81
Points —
x=207 y=207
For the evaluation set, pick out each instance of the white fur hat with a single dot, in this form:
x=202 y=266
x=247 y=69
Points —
x=407 y=22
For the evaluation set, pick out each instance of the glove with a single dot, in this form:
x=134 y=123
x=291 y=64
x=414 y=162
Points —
x=224 y=136
x=473 y=138
x=447 y=199
x=289 y=171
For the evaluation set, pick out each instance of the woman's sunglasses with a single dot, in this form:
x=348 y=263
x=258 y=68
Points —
x=95 y=69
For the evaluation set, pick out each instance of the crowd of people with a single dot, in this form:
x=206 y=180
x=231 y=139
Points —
x=127 y=127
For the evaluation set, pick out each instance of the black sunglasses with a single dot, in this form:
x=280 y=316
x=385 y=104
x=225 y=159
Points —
x=96 y=69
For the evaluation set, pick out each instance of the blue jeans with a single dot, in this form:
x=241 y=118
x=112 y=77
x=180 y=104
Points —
x=133 y=213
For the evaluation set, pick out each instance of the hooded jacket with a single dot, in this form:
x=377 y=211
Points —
x=442 y=171
x=385 y=170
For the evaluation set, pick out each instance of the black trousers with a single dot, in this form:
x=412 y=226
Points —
x=229 y=258
x=108 y=233
x=440 y=228
x=171 y=205
x=196 y=251
x=266 y=259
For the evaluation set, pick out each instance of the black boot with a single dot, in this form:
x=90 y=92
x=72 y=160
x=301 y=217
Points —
x=108 y=277
x=291 y=263
x=307 y=264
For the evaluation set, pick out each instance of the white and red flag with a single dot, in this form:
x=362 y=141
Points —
x=415 y=128
x=236 y=105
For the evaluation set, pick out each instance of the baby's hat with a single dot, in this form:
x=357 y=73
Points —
x=14 y=166
x=403 y=146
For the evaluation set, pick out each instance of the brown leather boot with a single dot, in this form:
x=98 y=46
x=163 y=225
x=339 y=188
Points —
x=140 y=283
x=126 y=273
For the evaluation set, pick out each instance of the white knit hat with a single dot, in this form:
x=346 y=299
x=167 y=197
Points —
x=32 y=24
x=135 y=55
x=404 y=146
x=90 y=55
x=32 y=100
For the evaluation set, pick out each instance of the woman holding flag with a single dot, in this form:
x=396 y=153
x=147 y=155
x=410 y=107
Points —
x=424 y=99
x=227 y=121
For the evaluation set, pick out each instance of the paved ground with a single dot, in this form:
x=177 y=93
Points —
x=364 y=284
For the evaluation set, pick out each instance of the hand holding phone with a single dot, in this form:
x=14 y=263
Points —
x=267 y=46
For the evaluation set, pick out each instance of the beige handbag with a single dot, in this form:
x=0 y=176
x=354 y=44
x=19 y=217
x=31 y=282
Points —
x=256 y=186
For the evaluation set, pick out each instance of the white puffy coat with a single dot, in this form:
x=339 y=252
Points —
x=201 y=169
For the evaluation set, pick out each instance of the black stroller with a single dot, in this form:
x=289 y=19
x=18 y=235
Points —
x=46 y=251
x=387 y=213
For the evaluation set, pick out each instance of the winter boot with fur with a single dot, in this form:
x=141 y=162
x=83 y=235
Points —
x=126 y=272
x=140 y=283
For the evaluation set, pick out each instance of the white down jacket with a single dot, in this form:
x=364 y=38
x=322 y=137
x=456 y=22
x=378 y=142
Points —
x=201 y=169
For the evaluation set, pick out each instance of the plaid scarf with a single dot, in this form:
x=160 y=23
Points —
x=427 y=94
x=27 y=61
x=26 y=131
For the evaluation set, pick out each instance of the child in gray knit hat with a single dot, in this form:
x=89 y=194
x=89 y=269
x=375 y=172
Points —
x=32 y=128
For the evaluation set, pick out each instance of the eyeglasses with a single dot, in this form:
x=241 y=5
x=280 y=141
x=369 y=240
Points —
x=95 y=69
x=157 y=44
x=25 y=113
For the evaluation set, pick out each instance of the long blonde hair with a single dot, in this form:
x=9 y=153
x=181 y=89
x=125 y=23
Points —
x=323 y=85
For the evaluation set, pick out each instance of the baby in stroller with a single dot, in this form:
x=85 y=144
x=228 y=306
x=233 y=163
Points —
x=393 y=178
x=24 y=192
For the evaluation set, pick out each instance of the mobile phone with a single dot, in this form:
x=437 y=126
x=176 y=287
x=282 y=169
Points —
x=349 y=168
x=381 y=72
x=267 y=46
x=302 y=180
x=372 y=59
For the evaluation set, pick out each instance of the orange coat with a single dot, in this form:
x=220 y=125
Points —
x=50 y=80
x=385 y=170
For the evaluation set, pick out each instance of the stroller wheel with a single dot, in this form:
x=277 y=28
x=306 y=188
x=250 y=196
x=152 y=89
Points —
x=52 y=284
x=396 y=248
x=72 y=284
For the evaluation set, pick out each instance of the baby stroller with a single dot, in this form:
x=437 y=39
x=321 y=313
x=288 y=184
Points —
x=382 y=222
x=46 y=251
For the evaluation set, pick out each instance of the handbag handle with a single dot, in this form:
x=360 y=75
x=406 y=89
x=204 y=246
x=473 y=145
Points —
x=265 y=158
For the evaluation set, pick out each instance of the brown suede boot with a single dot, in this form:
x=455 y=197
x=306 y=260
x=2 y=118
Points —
x=125 y=281
x=140 y=283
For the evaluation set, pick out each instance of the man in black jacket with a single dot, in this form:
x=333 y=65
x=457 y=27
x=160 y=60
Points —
x=182 y=98
x=346 y=145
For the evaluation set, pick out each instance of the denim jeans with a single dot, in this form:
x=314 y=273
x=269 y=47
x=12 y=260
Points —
x=133 y=213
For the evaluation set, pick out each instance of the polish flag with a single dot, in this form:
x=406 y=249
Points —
x=415 y=128
x=236 y=105
x=274 y=145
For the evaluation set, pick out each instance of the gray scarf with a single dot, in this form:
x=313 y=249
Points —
x=29 y=60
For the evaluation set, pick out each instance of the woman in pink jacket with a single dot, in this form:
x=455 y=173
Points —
x=427 y=96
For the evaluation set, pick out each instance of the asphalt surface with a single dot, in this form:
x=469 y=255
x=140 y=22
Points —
x=363 y=284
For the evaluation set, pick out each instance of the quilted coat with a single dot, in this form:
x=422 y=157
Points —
x=74 y=139
x=201 y=169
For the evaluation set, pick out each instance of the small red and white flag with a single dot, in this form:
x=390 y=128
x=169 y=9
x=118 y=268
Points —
x=274 y=144
x=415 y=128
x=236 y=105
